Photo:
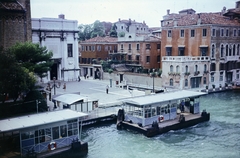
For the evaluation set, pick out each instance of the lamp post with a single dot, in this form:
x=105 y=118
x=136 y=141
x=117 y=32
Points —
x=54 y=86
x=153 y=74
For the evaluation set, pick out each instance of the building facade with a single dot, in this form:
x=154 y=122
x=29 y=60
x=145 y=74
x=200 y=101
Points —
x=15 y=22
x=93 y=51
x=61 y=37
x=199 y=50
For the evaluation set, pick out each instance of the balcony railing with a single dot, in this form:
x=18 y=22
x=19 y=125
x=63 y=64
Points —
x=185 y=58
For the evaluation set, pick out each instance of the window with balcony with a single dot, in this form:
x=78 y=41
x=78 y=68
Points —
x=181 y=33
x=203 y=51
x=213 y=51
x=138 y=46
x=204 y=80
x=171 y=69
x=181 y=51
x=234 y=50
x=148 y=59
x=171 y=82
x=204 y=32
x=129 y=57
x=222 y=51
x=226 y=50
x=70 y=50
x=129 y=47
x=168 y=51
x=213 y=32
x=186 y=83
x=169 y=33
x=177 y=69
x=238 y=49
x=192 y=33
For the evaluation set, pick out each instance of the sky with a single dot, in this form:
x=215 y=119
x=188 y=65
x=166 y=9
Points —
x=150 y=11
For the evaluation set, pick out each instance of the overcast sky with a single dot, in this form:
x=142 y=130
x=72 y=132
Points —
x=150 y=11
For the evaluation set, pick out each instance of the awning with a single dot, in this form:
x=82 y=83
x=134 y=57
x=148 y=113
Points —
x=168 y=46
x=181 y=46
x=203 y=46
x=69 y=98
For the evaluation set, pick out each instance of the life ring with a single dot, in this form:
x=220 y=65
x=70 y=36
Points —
x=161 y=118
x=52 y=146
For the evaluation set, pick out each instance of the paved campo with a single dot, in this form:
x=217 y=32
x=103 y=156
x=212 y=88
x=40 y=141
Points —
x=96 y=89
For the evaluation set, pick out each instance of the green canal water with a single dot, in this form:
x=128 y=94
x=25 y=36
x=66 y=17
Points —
x=218 y=138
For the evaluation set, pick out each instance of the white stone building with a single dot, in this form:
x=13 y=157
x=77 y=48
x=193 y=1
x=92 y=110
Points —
x=61 y=37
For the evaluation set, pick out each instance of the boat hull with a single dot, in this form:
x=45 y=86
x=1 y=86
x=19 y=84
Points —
x=153 y=131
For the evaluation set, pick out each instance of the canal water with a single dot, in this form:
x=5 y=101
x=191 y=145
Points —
x=220 y=137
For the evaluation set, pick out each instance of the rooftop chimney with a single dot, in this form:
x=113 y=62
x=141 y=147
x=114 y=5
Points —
x=61 y=16
x=168 y=11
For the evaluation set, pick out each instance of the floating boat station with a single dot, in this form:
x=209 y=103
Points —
x=44 y=134
x=159 y=113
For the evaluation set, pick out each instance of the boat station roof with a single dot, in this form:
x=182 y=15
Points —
x=162 y=97
x=27 y=121
x=70 y=98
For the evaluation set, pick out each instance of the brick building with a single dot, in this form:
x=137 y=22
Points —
x=92 y=52
x=200 y=50
x=15 y=22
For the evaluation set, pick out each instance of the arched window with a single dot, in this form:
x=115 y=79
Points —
x=171 y=68
x=222 y=50
x=204 y=80
x=177 y=69
x=238 y=49
x=205 y=67
x=234 y=50
x=196 y=68
x=186 y=82
x=226 y=50
x=186 y=68
x=213 y=51
x=171 y=82
x=230 y=50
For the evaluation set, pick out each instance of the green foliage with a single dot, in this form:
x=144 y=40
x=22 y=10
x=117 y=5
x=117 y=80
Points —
x=121 y=34
x=19 y=65
x=113 y=32
x=110 y=71
x=91 y=30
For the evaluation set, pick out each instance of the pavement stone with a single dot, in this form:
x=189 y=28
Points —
x=96 y=89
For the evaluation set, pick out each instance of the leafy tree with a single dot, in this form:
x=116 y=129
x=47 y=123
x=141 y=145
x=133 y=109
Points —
x=91 y=30
x=98 y=29
x=33 y=57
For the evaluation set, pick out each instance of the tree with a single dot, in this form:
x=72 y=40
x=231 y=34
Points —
x=33 y=57
x=113 y=32
x=98 y=29
x=19 y=65
x=91 y=30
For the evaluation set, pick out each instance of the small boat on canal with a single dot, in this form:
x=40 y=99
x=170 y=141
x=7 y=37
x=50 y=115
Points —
x=155 y=114
x=48 y=134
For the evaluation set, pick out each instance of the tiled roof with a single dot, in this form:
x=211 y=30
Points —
x=99 y=39
x=206 y=18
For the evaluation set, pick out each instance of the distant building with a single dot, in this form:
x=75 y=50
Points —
x=15 y=22
x=61 y=37
x=200 y=50
x=92 y=52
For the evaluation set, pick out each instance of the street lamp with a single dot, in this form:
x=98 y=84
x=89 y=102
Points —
x=153 y=74
x=54 y=86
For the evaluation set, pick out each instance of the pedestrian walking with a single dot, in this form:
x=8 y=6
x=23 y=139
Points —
x=79 y=79
x=107 y=89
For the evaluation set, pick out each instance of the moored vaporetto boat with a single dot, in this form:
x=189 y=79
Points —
x=159 y=113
